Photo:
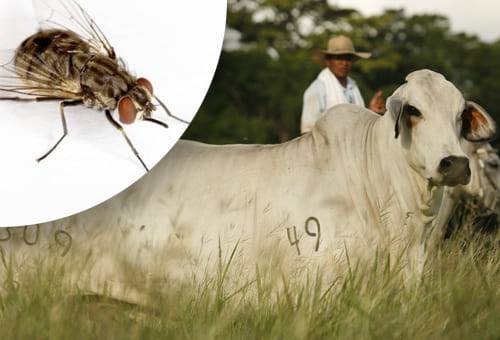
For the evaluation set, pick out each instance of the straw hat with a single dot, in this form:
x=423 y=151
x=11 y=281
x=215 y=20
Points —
x=341 y=44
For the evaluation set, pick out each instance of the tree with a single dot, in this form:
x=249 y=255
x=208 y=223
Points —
x=256 y=95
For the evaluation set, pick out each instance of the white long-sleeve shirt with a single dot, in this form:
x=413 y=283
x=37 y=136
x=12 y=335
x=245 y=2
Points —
x=325 y=92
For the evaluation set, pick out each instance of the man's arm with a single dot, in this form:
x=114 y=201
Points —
x=313 y=106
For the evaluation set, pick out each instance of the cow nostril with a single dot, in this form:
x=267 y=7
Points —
x=446 y=163
x=455 y=170
x=453 y=164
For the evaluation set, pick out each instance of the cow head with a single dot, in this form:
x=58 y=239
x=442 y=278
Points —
x=430 y=116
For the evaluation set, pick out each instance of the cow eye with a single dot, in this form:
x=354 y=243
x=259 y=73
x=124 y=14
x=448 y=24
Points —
x=412 y=111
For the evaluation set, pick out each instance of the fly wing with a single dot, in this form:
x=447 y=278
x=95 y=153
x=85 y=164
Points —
x=69 y=15
x=33 y=79
x=30 y=76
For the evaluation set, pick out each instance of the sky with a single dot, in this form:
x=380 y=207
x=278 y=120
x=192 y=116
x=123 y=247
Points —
x=481 y=17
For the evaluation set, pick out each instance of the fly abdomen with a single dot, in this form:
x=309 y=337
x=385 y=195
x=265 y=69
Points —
x=46 y=59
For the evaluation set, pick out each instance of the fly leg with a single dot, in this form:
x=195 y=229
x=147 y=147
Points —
x=63 y=104
x=35 y=99
x=155 y=121
x=65 y=127
x=120 y=128
x=168 y=111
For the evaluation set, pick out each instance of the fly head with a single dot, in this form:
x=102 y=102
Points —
x=137 y=103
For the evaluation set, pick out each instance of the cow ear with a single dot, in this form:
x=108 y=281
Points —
x=395 y=106
x=477 y=124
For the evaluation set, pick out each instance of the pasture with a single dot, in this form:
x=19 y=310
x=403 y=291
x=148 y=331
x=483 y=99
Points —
x=458 y=297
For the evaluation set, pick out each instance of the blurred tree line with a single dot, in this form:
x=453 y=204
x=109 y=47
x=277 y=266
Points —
x=256 y=94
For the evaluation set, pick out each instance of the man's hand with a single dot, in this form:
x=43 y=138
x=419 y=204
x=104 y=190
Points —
x=377 y=103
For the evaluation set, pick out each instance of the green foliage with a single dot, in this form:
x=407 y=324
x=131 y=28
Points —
x=248 y=104
x=256 y=95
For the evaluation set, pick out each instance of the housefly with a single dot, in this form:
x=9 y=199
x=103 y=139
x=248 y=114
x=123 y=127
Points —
x=71 y=61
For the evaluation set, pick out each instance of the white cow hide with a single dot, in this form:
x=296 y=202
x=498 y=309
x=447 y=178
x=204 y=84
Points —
x=357 y=182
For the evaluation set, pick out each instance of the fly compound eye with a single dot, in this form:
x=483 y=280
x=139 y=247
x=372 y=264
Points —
x=127 y=110
x=145 y=83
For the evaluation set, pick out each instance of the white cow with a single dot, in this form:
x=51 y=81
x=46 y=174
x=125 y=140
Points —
x=357 y=182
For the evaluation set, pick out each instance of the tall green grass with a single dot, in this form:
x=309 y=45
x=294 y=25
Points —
x=458 y=297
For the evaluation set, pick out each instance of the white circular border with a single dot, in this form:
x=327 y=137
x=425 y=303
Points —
x=175 y=44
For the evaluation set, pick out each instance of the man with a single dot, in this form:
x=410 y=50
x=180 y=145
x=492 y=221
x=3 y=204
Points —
x=333 y=86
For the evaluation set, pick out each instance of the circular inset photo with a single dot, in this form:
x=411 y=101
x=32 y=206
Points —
x=93 y=94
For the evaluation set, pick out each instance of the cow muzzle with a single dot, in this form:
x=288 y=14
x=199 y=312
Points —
x=455 y=170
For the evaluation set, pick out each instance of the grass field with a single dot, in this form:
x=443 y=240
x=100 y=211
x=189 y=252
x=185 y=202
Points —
x=458 y=297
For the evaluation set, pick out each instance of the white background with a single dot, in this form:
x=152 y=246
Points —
x=175 y=44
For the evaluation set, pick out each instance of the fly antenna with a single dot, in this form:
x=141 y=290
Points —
x=168 y=111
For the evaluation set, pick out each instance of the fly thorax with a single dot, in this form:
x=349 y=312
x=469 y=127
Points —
x=89 y=102
x=97 y=103
x=80 y=60
x=107 y=81
x=105 y=101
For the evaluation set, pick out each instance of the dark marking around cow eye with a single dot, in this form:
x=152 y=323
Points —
x=412 y=111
